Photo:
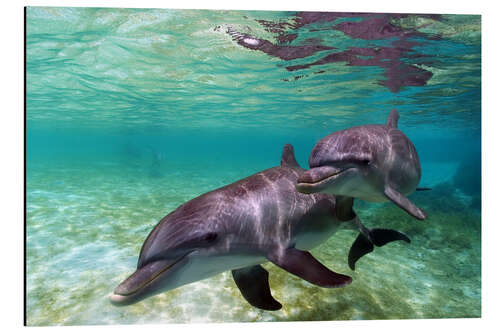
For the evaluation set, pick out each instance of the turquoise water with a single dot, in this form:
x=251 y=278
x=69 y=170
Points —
x=130 y=113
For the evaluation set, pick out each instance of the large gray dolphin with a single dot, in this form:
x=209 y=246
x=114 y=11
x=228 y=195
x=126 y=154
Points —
x=372 y=162
x=240 y=226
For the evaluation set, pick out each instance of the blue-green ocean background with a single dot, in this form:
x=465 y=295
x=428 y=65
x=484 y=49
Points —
x=131 y=112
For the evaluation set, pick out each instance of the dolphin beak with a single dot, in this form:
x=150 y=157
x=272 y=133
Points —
x=119 y=300
x=142 y=283
x=315 y=179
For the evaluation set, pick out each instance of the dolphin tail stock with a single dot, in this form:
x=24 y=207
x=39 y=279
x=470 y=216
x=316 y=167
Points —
x=253 y=283
x=404 y=203
x=369 y=237
x=305 y=266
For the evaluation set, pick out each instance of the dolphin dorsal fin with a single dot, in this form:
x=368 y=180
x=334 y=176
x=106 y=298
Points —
x=392 y=120
x=288 y=157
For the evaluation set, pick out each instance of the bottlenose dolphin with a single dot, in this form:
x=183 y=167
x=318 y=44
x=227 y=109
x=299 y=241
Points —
x=240 y=226
x=372 y=162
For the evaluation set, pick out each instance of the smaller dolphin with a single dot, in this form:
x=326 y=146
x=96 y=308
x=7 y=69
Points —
x=372 y=162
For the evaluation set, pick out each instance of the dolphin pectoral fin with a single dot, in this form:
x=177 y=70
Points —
x=404 y=203
x=288 y=157
x=361 y=246
x=305 y=266
x=253 y=282
x=378 y=237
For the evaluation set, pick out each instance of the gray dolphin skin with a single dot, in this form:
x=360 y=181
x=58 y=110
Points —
x=242 y=225
x=372 y=162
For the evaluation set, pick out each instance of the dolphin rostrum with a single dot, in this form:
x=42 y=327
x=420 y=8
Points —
x=372 y=162
x=240 y=226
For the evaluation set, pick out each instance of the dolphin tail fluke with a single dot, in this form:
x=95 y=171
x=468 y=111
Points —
x=305 y=266
x=361 y=246
x=378 y=237
x=404 y=203
x=253 y=282
x=288 y=157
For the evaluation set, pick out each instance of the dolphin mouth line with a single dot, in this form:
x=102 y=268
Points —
x=154 y=277
x=324 y=179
